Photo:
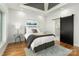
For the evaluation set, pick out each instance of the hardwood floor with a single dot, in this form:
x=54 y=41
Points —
x=75 y=50
x=17 y=49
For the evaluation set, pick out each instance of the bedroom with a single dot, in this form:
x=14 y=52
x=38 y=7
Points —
x=43 y=19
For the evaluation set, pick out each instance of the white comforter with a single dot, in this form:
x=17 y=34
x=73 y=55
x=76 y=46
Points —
x=28 y=34
x=41 y=40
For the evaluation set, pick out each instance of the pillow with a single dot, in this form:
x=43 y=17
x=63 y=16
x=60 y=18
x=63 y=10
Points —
x=34 y=31
x=28 y=30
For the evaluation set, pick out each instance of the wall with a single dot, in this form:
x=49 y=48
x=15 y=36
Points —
x=66 y=10
x=45 y=23
x=3 y=44
x=20 y=16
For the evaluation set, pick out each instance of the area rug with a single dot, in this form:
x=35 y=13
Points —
x=56 y=50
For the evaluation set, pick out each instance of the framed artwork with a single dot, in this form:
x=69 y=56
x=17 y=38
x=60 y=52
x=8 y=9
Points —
x=31 y=23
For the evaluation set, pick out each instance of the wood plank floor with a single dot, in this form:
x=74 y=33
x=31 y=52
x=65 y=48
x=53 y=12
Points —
x=75 y=50
x=17 y=49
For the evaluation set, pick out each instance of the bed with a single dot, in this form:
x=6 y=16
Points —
x=37 y=41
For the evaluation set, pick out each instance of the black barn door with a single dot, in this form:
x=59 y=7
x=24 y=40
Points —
x=66 y=29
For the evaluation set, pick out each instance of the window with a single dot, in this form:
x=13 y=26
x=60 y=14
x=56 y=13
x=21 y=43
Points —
x=0 y=26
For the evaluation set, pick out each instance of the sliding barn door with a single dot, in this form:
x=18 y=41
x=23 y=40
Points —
x=66 y=29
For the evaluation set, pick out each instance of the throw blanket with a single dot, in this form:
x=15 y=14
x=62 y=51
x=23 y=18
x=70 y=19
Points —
x=32 y=37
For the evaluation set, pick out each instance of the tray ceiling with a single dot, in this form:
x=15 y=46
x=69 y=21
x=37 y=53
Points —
x=42 y=6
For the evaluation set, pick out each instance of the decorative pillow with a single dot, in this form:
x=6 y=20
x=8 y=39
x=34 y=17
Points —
x=34 y=31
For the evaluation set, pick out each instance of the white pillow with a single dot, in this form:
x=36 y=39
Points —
x=28 y=30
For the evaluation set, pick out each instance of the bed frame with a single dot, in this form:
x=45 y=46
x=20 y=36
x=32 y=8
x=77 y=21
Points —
x=44 y=46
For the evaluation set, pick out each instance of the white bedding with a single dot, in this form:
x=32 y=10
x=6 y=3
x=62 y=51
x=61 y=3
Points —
x=28 y=34
x=41 y=40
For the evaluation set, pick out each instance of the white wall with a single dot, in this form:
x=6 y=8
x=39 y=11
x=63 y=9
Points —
x=45 y=23
x=3 y=44
x=66 y=10
x=50 y=26
x=19 y=16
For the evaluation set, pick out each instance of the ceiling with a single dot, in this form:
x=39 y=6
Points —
x=51 y=5
x=42 y=6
